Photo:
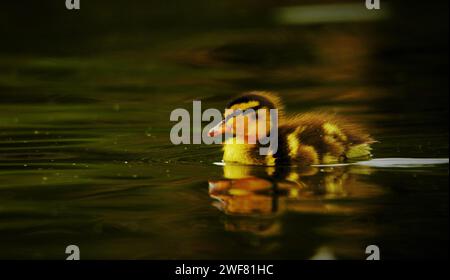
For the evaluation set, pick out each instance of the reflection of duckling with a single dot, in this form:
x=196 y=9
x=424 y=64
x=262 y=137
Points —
x=304 y=139
x=253 y=191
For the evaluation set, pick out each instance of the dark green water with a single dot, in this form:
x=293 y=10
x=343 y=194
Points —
x=85 y=155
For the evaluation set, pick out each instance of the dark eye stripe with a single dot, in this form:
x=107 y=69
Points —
x=246 y=112
x=237 y=113
x=232 y=115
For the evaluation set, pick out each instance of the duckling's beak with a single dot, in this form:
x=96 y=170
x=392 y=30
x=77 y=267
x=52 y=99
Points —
x=219 y=129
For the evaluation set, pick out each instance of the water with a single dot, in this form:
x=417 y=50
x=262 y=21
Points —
x=85 y=156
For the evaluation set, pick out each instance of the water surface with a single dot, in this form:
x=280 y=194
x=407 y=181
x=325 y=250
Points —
x=85 y=155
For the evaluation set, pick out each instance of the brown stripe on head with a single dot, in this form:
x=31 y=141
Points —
x=257 y=100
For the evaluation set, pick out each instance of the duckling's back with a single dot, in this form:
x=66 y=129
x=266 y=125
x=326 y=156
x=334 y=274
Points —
x=316 y=138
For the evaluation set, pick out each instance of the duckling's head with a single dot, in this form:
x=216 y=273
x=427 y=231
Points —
x=244 y=114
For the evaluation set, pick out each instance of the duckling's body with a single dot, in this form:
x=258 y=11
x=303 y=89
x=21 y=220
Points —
x=304 y=139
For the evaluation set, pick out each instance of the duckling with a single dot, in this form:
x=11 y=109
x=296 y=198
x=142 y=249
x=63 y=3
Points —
x=303 y=139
